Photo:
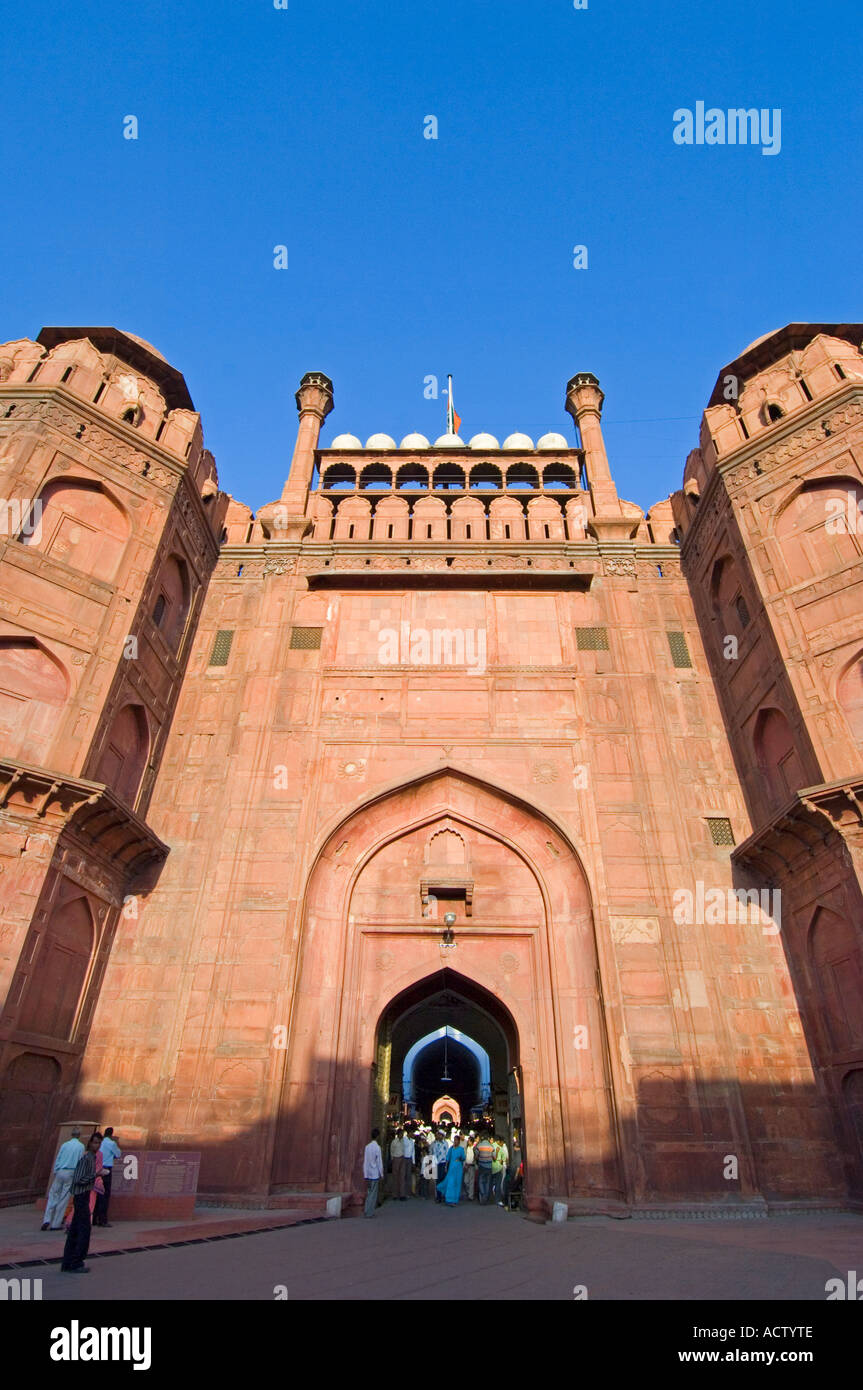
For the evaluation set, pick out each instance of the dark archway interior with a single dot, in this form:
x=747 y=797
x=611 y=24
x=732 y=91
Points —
x=428 y=1083
x=449 y=999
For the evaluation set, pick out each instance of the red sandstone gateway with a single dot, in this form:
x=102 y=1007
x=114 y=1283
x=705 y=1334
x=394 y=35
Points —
x=262 y=888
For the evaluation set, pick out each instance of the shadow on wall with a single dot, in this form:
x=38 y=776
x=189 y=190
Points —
x=687 y=1141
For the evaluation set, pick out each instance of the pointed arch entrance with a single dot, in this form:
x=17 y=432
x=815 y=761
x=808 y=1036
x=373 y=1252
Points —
x=459 y=1004
x=522 y=948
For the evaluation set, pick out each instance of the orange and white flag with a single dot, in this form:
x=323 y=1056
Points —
x=453 y=421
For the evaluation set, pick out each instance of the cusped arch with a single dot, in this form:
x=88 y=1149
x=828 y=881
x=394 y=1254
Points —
x=380 y=821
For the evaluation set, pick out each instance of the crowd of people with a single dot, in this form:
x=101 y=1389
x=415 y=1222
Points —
x=445 y=1165
x=80 y=1193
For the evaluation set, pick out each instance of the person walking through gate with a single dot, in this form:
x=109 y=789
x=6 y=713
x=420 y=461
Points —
x=110 y=1152
x=429 y=1173
x=373 y=1171
x=498 y=1164
x=484 y=1160
x=450 y=1187
x=78 y=1239
x=408 y=1154
x=58 y=1194
x=470 y=1166
x=397 y=1154
x=440 y=1149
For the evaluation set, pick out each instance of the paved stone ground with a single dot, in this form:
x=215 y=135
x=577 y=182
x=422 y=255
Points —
x=418 y=1250
x=21 y=1238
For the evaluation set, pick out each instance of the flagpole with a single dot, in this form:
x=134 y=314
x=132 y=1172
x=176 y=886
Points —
x=449 y=415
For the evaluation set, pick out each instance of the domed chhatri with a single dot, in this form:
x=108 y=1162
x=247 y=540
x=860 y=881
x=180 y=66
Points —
x=380 y=441
x=484 y=441
x=346 y=441
x=414 y=441
x=518 y=441
x=449 y=441
x=552 y=441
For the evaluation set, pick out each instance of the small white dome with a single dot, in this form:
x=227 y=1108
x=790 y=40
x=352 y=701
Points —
x=484 y=441
x=414 y=441
x=449 y=441
x=552 y=441
x=346 y=441
x=380 y=441
x=517 y=441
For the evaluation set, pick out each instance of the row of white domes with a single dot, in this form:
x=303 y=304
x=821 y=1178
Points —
x=450 y=441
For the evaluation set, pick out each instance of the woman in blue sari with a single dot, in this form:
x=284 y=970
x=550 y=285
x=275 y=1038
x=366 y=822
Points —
x=450 y=1188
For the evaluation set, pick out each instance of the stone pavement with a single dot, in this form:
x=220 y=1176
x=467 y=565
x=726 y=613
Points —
x=22 y=1240
x=422 y=1251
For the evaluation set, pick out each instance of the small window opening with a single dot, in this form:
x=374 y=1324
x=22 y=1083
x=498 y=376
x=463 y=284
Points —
x=389 y=533
x=68 y=372
x=467 y=533
x=506 y=532
x=805 y=389
x=839 y=372
x=428 y=533
x=159 y=430
x=547 y=532
x=128 y=416
x=350 y=532
x=774 y=412
x=159 y=610
x=99 y=392
x=744 y=431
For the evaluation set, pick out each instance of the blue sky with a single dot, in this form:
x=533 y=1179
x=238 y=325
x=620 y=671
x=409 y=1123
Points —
x=409 y=257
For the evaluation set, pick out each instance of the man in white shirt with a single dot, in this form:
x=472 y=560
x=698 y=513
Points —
x=58 y=1194
x=110 y=1152
x=409 y=1154
x=373 y=1171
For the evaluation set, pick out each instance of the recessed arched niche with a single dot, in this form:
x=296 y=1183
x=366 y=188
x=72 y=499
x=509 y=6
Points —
x=56 y=981
x=81 y=525
x=33 y=690
x=124 y=755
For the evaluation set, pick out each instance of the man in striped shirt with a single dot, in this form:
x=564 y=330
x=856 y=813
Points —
x=78 y=1239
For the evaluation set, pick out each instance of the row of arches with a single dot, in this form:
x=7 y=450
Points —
x=448 y=477
x=465 y=519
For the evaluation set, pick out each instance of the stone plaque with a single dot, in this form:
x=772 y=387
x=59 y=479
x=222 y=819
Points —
x=159 y=1175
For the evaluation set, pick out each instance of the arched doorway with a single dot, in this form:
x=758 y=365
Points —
x=459 y=1006
x=520 y=943
x=446 y=1111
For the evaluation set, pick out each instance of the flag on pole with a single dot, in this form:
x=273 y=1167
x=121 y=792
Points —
x=453 y=421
